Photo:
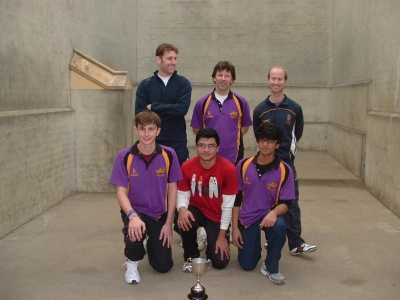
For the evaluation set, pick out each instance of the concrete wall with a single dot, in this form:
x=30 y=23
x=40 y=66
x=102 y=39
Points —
x=347 y=127
x=38 y=162
x=254 y=35
x=365 y=100
x=103 y=127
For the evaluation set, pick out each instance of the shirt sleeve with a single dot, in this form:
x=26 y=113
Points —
x=298 y=132
x=175 y=169
x=119 y=174
x=287 y=190
x=246 y=117
x=141 y=98
x=230 y=185
x=184 y=183
x=197 y=116
x=256 y=120
x=226 y=208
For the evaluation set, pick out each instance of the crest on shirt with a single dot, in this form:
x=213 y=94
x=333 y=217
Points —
x=233 y=114
x=288 y=120
x=209 y=115
x=246 y=180
x=160 y=172
x=134 y=173
x=266 y=121
x=272 y=185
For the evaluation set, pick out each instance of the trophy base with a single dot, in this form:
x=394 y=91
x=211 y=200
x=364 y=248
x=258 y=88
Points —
x=191 y=297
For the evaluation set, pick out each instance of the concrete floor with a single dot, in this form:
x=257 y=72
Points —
x=75 y=250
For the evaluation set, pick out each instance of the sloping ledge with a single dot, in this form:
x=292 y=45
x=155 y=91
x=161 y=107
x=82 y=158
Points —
x=98 y=73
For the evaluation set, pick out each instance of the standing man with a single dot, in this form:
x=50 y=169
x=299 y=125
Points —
x=266 y=189
x=145 y=176
x=288 y=115
x=227 y=112
x=167 y=94
x=206 y=195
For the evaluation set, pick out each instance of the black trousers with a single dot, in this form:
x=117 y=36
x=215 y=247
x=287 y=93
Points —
x=160 y=257
x=293 y=216
x=189 y=239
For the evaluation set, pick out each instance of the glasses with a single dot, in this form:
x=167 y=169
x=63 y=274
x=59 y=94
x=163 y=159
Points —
x=209 y=146
x=269 y=142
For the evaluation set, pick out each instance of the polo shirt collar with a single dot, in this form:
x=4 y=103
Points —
x=230 y=95
x=135 y=149
x=273 y=165
x=284 y=102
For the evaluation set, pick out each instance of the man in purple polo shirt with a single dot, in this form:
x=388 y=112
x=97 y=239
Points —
x=266 y=189
x=146 y=176
x=227 y=113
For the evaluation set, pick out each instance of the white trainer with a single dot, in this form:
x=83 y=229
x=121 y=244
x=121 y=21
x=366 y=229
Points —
x=202 y=239
x=303 y=248
x=132 y=273
x=201 y=242
x=276 y=278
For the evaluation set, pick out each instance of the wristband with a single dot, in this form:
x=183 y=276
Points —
x=130 y=214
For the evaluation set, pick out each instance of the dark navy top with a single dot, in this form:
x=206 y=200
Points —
x=170 y=102
x=288 y=115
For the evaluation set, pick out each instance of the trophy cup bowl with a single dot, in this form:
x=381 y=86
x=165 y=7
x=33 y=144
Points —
x=199 y=267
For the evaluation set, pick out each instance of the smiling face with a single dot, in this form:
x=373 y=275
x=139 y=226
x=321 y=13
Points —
x=167 y=63
x=223 y=80
x=207 y=149
x=277 y=80
x=147 y=133
x=267 y=147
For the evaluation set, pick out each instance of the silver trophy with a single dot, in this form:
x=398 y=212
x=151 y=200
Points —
x=199 y=267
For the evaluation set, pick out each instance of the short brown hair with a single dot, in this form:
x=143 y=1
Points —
x=277 y=67
x=224 y=65
x=165 y=47
x=147 y=117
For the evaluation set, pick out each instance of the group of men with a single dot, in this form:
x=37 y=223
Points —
x=155 y=179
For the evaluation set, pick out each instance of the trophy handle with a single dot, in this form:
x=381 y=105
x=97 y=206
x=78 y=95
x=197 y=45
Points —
x=208 y=263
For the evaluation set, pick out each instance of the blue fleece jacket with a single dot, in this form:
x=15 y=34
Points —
x=170 y=102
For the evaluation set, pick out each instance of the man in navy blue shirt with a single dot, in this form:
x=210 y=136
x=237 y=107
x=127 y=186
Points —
x=288 y=115
x=168 y=95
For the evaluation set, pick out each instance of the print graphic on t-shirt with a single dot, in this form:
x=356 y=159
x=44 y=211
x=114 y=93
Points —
x=215 y=186
x=200 y=186
x=193 y=184
x=211 y=189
